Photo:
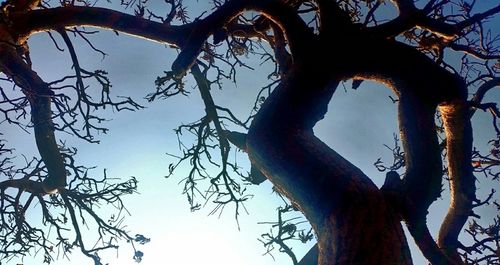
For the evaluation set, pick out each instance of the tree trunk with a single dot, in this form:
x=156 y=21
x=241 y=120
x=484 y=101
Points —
x=349 y=214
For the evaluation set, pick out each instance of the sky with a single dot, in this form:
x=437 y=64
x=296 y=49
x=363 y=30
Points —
x=357 y=126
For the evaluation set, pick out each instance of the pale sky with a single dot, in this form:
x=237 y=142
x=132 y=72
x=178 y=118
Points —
x=357 y=125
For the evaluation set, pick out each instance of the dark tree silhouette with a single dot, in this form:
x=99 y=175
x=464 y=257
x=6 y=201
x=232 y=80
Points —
x=315 y=44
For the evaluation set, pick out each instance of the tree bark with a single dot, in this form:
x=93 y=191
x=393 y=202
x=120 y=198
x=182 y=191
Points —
x=353 y=222
x=39 y=96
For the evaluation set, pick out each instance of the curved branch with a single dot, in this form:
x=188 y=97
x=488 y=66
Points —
x=418 y=99
x=292 y=135
x=190 y=36
x=419 y=18
x=472 y=51
x=333 y=194
x=423 y=238
x=39 y=96
x=27 y=23
x=458 y=129
x=296 y=31
x=415 y=19
x=283 y=57
x=423 y=177
x=478 y=17
x=28 y=185
x=483 y=89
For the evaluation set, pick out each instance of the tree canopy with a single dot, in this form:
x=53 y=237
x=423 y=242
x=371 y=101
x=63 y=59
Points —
x=440 y=58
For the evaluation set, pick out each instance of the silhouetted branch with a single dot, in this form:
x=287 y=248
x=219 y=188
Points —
x=61 y=17
x=483 y=89
x=283 y=230
x=477 y=18
x=24 y=192
x=39 y=96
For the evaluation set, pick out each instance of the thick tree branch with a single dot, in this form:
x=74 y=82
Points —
x=27 y=23
x=472 y=51
x=331 y=192
x=283 y=57
x=456 y=119
x=478 y=18
x=30 y=186
x=39 y=96
x=296 y=31
x=297 y=121
x=419 y=18
x=483 y=89
x=416 y=19
x=418 y=99
x=190 y=37
x=423 y=178
x=426 y=243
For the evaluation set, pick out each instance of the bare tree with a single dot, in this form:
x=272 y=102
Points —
x=315 y=45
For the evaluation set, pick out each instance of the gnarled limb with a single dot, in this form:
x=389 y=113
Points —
x=296 y=31
x=39 y=96
x=483 y=89
x=416 y=19
x=335 y=196
x=418 y=100
x=27 y=23
x=456 y=118
x=419 y=18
